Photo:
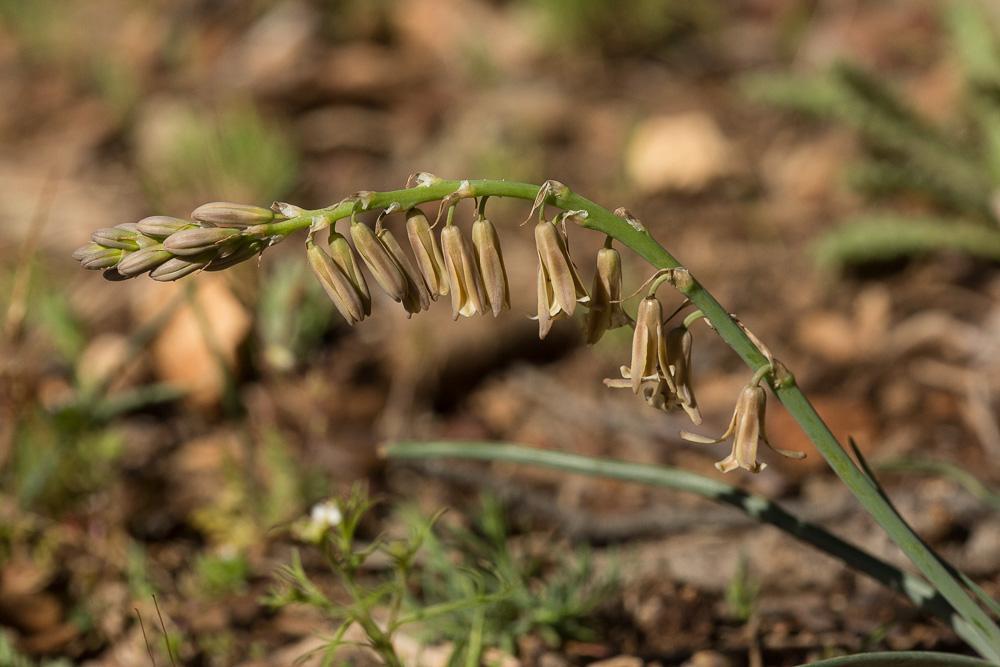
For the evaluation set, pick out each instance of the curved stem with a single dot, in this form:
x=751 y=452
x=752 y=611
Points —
x=902 y=659
x=757 y=507
x=633 y=235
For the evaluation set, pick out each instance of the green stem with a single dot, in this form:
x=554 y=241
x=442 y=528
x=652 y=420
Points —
x=692 y=318
x=445 y=608
x=902 y=659
x=640 y=241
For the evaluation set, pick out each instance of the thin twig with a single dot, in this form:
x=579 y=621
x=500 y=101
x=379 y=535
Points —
x=166 y=636
x=145 y=639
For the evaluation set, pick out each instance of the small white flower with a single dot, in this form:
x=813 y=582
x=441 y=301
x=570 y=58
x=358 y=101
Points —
x=325 y=515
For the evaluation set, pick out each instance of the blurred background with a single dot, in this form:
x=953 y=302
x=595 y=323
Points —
x=829 y=170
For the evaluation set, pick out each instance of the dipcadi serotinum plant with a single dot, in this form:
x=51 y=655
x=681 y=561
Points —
x=472 y=274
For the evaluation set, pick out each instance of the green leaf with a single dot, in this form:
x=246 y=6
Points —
x=974 y=41
x=902 y=659
x=874 y=238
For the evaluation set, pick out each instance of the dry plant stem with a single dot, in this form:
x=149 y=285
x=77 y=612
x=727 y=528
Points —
x=982 y=633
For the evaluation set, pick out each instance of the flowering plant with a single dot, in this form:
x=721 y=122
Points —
x=473 y=274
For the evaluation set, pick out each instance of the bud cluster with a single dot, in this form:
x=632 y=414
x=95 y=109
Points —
x=468 y=268
x=215 y=238
x=472 y=273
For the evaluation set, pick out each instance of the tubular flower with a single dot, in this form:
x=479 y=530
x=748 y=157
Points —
x=648 y=348
x=427 y=252
x=464 y=282
x=606 y=295
x=676 y=365
x=745 y=428
x=489 y=258
x=232 y=256
x=417 y=296
x=339 y=275
x=559 y=284
x=382 y=266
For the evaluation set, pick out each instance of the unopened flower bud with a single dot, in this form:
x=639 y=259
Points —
x=486 y=242
x=646 y=342
x=176 y=268
x=427 y=252
x=417 y=296
x=188 y=242
x=143 y=260
x=229 y=214
x=94 y=256
x=83 y=251
x=336 y=283
x=559 y=284
x=606 y=310
x=228 y=258
x=377 y=259
x=342 y=253
x=464 y=282
x=675 y=363
x=115 y=237
x=162 y=226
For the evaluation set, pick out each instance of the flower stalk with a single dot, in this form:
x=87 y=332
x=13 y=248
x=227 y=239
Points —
x=981 y=632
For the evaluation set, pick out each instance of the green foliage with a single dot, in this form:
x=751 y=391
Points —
x=551 y=595
x=742 y=591
x=628 y=26
x=875 y=238
x=474 y=590
x=222 y=574
x=233 y=154
x=292 y=315
x=955 y=168
x=10 y=657
x=47 y=32
x=51 y=317
x=57 y=458
x=334 y=528
x=252 y=500
x=955 y=473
